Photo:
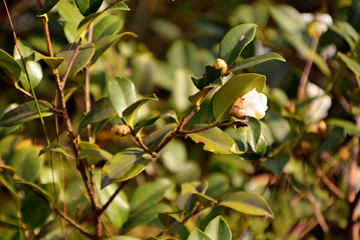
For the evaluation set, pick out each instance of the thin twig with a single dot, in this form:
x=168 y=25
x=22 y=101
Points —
x=70 y=64
x=107 y=204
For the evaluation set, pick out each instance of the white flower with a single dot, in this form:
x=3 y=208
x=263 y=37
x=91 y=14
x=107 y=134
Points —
x=318 y=108
x=320 y=21
x=255 y=104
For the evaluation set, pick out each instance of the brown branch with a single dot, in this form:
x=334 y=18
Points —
x=70 y=64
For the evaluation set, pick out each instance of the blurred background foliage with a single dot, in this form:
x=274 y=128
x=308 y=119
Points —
x=306 y=173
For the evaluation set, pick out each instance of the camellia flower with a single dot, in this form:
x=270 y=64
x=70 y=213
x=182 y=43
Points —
x=252 y=104
x=318 y=108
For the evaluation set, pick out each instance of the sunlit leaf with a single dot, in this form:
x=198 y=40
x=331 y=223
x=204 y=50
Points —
x=107 y=25
x=197 y=234
x=287 y=17
x=189 y=201
x=84 y=24
x=33 y=68
x=235 y=41
x=95 y=154
x=149 y=194
x=122 y=93
x=153 y=140
x=249 y=203
x=57 y=148
x=120 y=6
x=169 y=218
x=130 y=113
x=349 y=127
x=52 y=62
x=351 y=63
x=197 y=97
x=151 y=121
x=253 y=61
x=25 y=112
x=211 y=76
x=188 y=188
x=83 y=57
x=218 y=229
x=234 y=88
x=124 y=165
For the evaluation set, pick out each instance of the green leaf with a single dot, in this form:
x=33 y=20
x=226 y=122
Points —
x=118 y=211
x=248 y=203
x=52 y=62
x=123 y=238
x=124 y=165
x=33 y=68
x=276 y=165
x=252 y=131
x=47 y=6
x=168 y=218
x=87 y=7
x=95 y=155
x=234 y=88
x=214 y=139
x=130 y=113
x=354 y=14
x=151 y=121
x=72 y=17
x=350 y=63
x=4 y=131
x=149 y=194
x=189 y=188
x=10 y=66
x=84 y=24
x=235 y=41
x=211 y=76
x=197 y=97
x=153 y=140
x=36 y=212
x=218 y=229
x=101 y=110
x=57 y=148
x=349 y=127
x=25 y=112
x=120 y=6
x=287 y=17
x=256 y=154
x=253 y=61
x=122 y=93
x=83 y=57
x=341 y=29
x=145 y=216
x=104 y=43
x=189 y=201
x=197 y=234
x=107 y=25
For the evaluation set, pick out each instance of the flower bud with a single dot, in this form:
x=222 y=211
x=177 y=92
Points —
x=237 y=111
x=220 y=64
x=322 y=127
x=121 y=129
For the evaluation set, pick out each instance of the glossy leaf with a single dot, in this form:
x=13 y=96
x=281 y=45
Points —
x=57 y=148
x=120 y=6
x=123 y=238
x=72 y=17
x=33 y=68
x=87 y=7
x=124 y=165
x=168 y=218
x=351 y=63
x=47 y=6
x=153 y=140
x=211 y=76
x=258 y=153
x=253 y=61
x=107 y=25
x=218 y=229
x=23 y=113
x=214 y=140
x=187 y=188
x=10 y=66
x=234 y=88
x=95 y=155
x=197 y=234
x=130 y=113
x=118 y=211
x=104 y=43
x=252 y=131
x=248 y=203
x=145 y=216
x=83 y=57
x=151 y=121
x=235 y=41
x=197 y=97
x=52 y=62
x=84 y=24
x=8 y=130
x=122 y=93
x=101 y=110
x=189 y=202
x=149 y=194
